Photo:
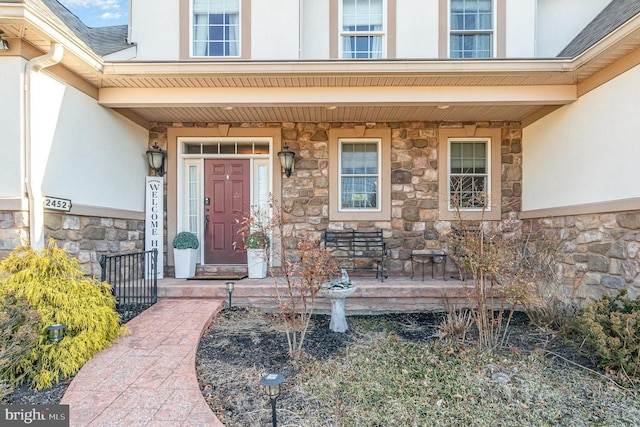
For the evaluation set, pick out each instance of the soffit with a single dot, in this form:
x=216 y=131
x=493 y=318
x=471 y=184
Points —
x=354 y=114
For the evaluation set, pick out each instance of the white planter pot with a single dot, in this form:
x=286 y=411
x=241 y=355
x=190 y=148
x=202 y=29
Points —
x=185 y=262
x=257 y=263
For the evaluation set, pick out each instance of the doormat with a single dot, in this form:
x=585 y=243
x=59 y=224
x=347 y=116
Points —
x=217 y=277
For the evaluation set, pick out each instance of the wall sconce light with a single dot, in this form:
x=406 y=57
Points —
x=156 y=159
x=3 y=43
x=56 y=332
x=286 y=160
x=230 y=286
x=271 y=383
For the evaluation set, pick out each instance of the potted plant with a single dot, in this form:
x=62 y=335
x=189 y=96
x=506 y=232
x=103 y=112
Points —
x=256 y=244
x=185 y=253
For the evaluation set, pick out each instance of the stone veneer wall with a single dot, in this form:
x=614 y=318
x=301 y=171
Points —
x=414 y=220
x=86 y=238
x=600 y=252
x=14 y=231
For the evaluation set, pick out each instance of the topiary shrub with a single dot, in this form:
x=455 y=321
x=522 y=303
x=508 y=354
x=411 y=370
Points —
x=53 y=283
x=185 y=240
x=20 y=334
x=612 y=328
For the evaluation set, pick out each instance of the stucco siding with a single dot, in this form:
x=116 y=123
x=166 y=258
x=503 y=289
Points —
x=315 y=30
x=155 y=28
x=520 y=28
x=11 y=159
x=85 y=152
x=417 y=29
x=280 y=41
x=558 y=22
x=586 y=152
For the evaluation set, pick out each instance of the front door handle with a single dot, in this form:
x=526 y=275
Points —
x=206 y=221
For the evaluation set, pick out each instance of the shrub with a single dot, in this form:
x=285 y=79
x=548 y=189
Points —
x=256 y=240
x=185 y=240
x=20 y=334
x=55 y=286
x=552 y=302
x=612 y=327
x=497 y=286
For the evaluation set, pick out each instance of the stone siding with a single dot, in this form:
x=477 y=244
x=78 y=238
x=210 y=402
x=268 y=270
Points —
x=14 y=231
x=85 y=238
x=600 y=252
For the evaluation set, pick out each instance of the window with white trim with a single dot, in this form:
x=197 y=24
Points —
x=359 y=175
x=471 y=29
x=215 y=28
x=362 y=29
x=468 y=174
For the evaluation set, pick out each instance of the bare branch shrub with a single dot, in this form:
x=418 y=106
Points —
x=498 y=285
x=551 y=303
x=302 y=270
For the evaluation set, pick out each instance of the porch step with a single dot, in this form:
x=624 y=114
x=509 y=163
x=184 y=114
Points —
x=372 y=296
x=221 y=270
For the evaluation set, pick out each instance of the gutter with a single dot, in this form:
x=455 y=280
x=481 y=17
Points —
x=33 y=183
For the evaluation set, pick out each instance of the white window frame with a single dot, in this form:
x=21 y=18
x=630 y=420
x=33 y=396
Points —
x=378 y=176
x=487 y=174
x=492 y=32
x=192 y=35
x=382 y=33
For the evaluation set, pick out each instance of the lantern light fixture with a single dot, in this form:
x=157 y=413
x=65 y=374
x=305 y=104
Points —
x=156 y=158
x=286 y=160
x=4 y=45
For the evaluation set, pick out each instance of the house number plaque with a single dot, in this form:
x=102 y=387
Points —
x=57 y=204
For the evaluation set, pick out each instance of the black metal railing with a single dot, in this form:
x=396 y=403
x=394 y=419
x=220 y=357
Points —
x=134 y=278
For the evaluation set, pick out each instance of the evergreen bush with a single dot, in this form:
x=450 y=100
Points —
x=612 y=327
x=53 y=283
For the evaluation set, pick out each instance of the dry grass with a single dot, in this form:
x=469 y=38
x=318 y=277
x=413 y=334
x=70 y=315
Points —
x=391 y=371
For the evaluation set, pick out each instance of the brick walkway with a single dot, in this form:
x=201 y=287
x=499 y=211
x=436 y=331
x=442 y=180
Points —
x=148 y=378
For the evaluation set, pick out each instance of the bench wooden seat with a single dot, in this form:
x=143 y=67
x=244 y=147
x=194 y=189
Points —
x=363 y=250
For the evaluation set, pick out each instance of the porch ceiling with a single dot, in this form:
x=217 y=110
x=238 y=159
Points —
x=357 y=114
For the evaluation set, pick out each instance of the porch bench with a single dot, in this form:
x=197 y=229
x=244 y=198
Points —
x=356 y=246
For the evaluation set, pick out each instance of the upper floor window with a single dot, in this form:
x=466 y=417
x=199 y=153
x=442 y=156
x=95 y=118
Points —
x=468 y=174
x=471 y=31
x=362 y=30
x=359 y=175
x=216 y=28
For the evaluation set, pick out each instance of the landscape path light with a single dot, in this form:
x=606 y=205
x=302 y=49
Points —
x=271 y=383
x=56 y=332
x=230 y=286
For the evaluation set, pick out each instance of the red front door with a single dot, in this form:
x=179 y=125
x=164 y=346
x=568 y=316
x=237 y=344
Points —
x=227 y=200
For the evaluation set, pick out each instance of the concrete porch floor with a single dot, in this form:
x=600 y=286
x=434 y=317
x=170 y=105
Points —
x=372 y=296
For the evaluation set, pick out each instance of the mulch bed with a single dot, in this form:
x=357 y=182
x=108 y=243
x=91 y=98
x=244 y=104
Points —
x=242 y=345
